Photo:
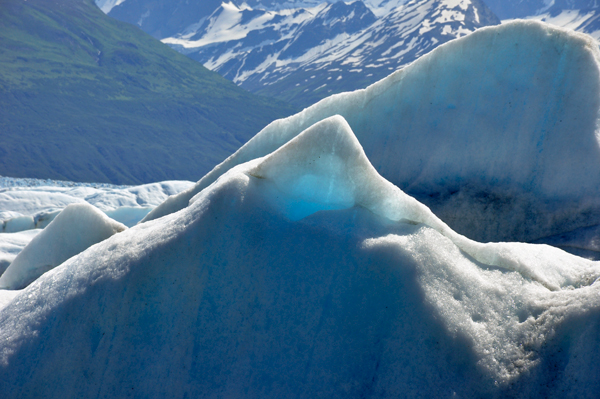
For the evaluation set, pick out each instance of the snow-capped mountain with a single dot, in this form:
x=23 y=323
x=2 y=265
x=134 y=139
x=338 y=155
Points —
x=143 y=10
x=583 y=20
x=303 y=55
x=302 y=51
x=164 y=18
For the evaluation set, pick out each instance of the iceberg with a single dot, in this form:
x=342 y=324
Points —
x=305 y=273
x=76 y=228
x=497 y=132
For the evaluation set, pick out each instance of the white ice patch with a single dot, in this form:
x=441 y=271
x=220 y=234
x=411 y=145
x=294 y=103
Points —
x=107 y=5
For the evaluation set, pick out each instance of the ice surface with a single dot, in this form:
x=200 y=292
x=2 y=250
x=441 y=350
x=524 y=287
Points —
x=76 y=228
x=496 y=132
x=305 y=274
x=17 y=201
x=30 y=203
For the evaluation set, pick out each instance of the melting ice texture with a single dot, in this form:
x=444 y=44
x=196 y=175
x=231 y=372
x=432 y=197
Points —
x=305 y=273
x=496 y=132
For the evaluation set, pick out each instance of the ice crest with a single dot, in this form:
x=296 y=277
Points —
x=325 y=167
x=298 y=269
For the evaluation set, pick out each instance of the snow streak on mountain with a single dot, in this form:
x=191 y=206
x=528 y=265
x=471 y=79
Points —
x=579 y=15
x=303 y=55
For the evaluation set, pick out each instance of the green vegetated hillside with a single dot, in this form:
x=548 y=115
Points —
x=87 y=98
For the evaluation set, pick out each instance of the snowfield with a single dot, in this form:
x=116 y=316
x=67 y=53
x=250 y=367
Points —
x=304 y=266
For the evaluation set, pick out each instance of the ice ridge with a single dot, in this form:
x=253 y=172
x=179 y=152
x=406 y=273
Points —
x=497 y=132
